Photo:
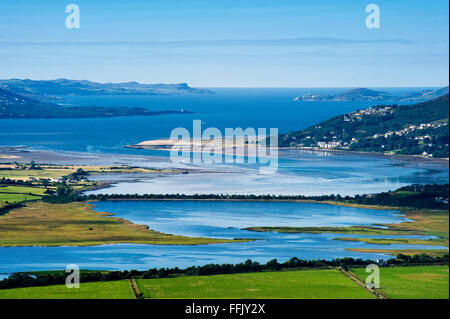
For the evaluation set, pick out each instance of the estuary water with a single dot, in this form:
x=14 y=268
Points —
x=212 y=219
x=299 y=172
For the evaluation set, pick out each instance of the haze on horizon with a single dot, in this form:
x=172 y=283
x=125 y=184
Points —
x=254 y=43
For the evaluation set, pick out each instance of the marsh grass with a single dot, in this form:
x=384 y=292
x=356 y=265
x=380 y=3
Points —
x=77 y=224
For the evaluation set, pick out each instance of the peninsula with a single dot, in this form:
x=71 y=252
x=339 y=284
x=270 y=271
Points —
x=15 y=106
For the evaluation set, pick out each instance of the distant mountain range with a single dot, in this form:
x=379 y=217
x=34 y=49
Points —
x=13 y=105
x=363 y=94
x=416 y=129
x=63 y=87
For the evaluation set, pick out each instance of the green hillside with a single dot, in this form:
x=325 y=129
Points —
x=417 y=129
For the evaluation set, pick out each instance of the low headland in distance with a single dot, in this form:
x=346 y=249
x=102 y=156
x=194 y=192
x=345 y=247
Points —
x=363 y=95
x=24 y=99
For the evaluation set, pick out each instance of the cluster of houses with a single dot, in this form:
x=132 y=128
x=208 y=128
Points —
x=405 y=131
x=357 y=115
x=331 y=144
x=412 y=128
x=56 y=180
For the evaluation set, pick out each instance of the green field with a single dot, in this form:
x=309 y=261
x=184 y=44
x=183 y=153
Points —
x=303 y=284
x=13 y=194
x=416 y=282
x=23 y=190
x=91 y=290
x=11 y=198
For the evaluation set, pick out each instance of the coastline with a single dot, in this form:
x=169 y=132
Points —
x=23 y=154
x=167 y=144
x=399 y=157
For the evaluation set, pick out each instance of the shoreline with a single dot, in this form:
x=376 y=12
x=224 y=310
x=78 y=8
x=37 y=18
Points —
x=373 y=154
x=167 y=144
x=400 y=157
x=22 y=153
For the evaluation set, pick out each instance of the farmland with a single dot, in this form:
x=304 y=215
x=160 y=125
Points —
x=92 y=290
x=303 y=284
x=15 y=194
x=418 y=282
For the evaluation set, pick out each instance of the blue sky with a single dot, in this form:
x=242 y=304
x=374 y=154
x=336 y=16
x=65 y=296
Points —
x=215 y=43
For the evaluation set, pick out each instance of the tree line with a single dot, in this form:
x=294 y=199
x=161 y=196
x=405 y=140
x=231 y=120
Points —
x=415 y=196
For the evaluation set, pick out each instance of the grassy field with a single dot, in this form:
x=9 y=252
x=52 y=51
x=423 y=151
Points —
x=11 y=198
x=11 y=194
x=303 y=284
x=23 y=190
x=91 y=290
x=415 y=282
x=76 y=224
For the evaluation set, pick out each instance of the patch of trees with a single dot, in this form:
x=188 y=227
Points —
x=77 y=175
x=8 y=181
x=64 y=194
